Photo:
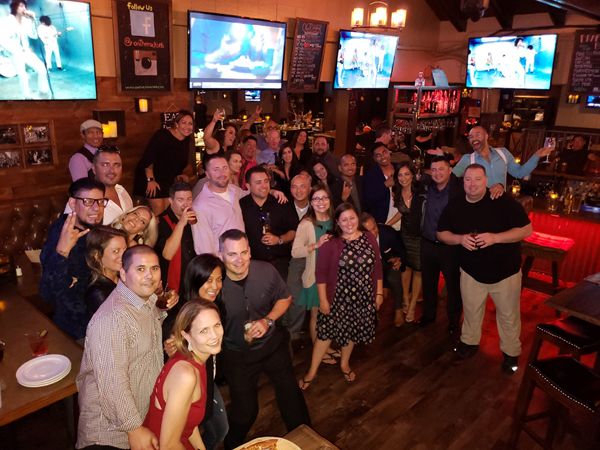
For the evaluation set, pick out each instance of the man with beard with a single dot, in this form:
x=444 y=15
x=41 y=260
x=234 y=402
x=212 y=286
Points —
x=496 y=161
x=322 y=154
x=108 y=169
x=65 y=274
x=254 y=296
x=488 y=233
x=347 y=188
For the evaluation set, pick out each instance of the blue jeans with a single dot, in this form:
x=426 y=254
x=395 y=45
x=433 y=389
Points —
x=215 y=428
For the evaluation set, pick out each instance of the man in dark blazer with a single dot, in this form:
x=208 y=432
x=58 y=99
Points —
x=347 y=188
x=392 y=252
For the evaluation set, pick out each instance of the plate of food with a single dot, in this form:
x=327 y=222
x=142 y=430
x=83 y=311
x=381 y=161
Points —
x=269 y=443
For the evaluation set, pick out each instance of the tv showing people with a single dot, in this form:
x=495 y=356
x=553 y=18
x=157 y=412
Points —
x=46 y=51
x=234 y=52
x=364 y=60
x=520 y=62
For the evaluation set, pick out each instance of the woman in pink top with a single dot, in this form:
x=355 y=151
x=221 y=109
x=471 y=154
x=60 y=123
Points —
x=178 y=402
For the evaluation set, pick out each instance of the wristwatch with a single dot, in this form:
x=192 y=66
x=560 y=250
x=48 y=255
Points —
x=270 y=322
x=149 y=179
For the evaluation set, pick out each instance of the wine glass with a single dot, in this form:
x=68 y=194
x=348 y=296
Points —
x=222 y=117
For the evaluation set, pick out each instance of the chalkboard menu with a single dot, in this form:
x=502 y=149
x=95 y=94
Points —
x=307 y=56
x=585 y=68
x=142 y=35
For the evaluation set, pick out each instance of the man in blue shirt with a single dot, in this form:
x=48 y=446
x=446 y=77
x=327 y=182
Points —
x=497 y=161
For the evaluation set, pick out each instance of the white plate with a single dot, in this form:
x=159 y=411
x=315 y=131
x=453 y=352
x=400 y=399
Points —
x=282 y=444
x=43 y=370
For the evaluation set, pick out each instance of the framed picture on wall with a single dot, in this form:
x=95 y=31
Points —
x=39 y=156
x=10 y=159
x=9 y=135
x=36 y=134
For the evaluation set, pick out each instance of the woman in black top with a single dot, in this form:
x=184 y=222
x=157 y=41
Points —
x=409 y=204
x=166 y=159
x=105 y=247
x=287 y=167
x=301 y=149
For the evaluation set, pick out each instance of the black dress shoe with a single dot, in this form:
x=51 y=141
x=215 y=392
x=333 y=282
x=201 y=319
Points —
x=510 y=364
x=465 y=351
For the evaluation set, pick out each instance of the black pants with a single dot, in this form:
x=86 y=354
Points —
x=242 y=370
x=436 y=258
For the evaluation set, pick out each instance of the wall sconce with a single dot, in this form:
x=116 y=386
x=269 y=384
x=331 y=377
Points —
x=377 y=16
x=274 y=96
x=224 y=95
x=143 y=105
x=327 y=99
x=573 y=99
x=113 y=122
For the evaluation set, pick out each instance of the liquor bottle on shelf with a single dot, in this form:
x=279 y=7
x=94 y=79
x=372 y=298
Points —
x=420 y=81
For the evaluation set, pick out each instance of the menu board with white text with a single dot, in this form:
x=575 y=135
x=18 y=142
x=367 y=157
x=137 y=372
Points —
x=307 y=56
x=585 y=67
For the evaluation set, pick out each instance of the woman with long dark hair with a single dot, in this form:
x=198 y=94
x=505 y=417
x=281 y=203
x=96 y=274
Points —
x=301 y=148
x=286 y=168
x=350 y=286
x=165 y=160
x=105 y=248
x=410 y=205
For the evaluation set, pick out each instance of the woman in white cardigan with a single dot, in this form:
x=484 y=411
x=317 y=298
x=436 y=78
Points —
x=313 y=231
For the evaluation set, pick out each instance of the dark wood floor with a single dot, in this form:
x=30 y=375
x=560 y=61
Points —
x=410 y=393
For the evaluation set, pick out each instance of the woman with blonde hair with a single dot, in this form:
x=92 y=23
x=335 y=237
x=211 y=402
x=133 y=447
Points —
x=140 y=224
x=178 y=401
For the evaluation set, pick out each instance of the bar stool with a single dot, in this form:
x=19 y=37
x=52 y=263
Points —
x=548 y=247
x=571 y=335
x=569 y=384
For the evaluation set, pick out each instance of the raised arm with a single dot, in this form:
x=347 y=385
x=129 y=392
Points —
x=211 y=144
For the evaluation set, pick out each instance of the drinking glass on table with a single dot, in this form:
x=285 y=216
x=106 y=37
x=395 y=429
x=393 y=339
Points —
x=38 y=342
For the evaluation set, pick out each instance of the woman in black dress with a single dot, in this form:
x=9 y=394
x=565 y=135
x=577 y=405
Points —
x=166 y=159
x=105 y=247
x=409 y=204
x=300 y=147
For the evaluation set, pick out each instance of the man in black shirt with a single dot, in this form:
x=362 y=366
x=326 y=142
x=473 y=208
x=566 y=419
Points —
x=175 y=245
x=271 y=227
x=348 y=188
x=254 y=296
x=489 y=234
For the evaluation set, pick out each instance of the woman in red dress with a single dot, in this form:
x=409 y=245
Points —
x=178 y=402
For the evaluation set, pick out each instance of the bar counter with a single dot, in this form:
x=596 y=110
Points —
x=583 y=227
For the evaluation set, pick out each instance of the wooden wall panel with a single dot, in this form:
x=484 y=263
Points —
x=21 y=184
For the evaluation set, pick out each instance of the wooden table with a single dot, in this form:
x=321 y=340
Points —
x=18 y=316
x=308 y=439
x=582 y=301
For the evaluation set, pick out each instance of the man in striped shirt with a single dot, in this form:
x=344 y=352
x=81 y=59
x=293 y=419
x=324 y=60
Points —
x=122 y=358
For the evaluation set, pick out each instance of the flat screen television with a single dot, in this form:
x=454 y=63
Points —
x=50 y=55
x=364 y=60
x=593 y=101
x=519 y=62
x=229 y=52
x=252 y=95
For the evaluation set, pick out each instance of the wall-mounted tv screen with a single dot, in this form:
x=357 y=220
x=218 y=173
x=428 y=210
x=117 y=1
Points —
x=252 y=95
x=228 y=52
x=519 y=62
x=364 y=60
x=593 y=101
x=46 y=51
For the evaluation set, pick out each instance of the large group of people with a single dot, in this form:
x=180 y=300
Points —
x=276 y=241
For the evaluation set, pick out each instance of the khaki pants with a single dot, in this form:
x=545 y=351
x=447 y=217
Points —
x=506 y=295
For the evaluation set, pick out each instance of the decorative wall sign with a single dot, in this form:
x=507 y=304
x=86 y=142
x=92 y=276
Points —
x=307 y=56
x=142 y=35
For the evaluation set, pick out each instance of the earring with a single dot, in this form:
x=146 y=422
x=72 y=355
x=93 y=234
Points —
x=190 y=347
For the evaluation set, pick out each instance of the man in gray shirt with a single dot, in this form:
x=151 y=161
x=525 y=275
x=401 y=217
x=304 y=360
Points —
x=122 y=358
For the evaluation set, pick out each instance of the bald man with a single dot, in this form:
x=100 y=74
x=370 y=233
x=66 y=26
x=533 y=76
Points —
x=497 y=161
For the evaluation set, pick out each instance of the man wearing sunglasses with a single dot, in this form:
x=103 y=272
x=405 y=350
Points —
x=65 y=274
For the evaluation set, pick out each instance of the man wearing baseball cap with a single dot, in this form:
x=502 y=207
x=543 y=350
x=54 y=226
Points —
x=80 y=164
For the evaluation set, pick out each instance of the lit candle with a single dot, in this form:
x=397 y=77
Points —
x=143 y=104
x=358 y=17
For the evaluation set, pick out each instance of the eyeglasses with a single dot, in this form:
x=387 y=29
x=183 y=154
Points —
x=101 y=202
x=320 y=199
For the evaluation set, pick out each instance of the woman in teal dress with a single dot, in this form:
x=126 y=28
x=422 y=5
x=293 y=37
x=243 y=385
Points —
x=313 y=231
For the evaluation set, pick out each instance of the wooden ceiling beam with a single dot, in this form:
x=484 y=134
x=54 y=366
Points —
x=589 y=8
x=558 y=17
x=449 y=10
x=504 y=12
